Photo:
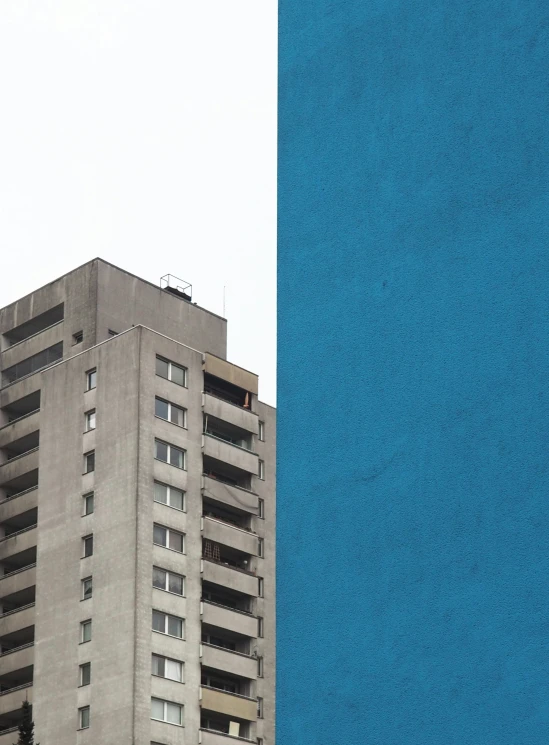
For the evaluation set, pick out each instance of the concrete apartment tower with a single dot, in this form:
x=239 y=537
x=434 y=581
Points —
x=137 y=512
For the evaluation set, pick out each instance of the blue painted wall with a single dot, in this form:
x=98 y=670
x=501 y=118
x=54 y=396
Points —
x=413 y=502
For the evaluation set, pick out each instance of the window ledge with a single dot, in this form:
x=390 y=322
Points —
x=164 y=721
x=172 y=465
x=171 y=636
x=179 y=426
x=175 y=551
x=169 y=505
x=160 y=589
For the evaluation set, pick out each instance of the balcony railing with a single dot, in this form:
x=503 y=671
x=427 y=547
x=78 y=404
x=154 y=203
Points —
x=19 y=494
x=20 y=455
x=16 y=688
x=226 y=521
x=226 y=607
x=17 y=571
x=222 y=480
x=20 y=418
x=217 y=732
x=229 y=442
x=16 y=649
x=228 y=693
x=17 y=532
x=230 y=651
x=222 y=563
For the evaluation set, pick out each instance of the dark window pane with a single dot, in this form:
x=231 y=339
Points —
x=161 y=451
x=176 y=584
x=178 y=375
x=161 y=368
x=161 y=408
x=159 y=578
x=175 y=626
x=176 y=542
x=158 y=621
x=176 y=498
x=176 y=457
x=161 y=493
x=159 y=535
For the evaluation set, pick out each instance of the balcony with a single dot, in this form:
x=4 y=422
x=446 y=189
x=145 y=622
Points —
x=220 y=729
x=19 y=542
x=17 y=428
x=231 y=413
x=234 y=663
x=230 y=577
x=11 y=700
x=232 y=619
x=15 y=624
x=14 y=660
x=18 y=355
x=18 y=470
x=217 y=488
x=17 y=588
x=237 y=457
x=35 y=325
x=20 y=503
x=235 y=706
x=14 y=638
x=226 y=534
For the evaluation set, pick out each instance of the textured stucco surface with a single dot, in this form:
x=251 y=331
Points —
x=413 y=406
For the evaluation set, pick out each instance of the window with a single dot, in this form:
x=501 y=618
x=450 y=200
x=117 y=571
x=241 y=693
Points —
x=259 y=741
x=88 y=503
x=169 y=454
x=89 y=462
x=85 y=674
x=261 y=508
x=171 y=371
x=261 y=469
x=169 y=495
x=85 y=631
x=165 y=667
x=168 y=538
x=86 y=588
x=87 y=546
x=90 y=420
x=261 y=433
x=260 y=667
x=78 y=337
x=91 y=379
x=260 y=627
x=166 y=711
x=166 y=624
x=168 y=581
x=84 y=717
x=170 y=412
x=259 y=707
x=260 y=586
x=260 y=547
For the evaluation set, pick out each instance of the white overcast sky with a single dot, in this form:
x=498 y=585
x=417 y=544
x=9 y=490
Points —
x=144 y=132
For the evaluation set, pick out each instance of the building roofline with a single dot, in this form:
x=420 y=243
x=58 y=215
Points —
x=114 y=266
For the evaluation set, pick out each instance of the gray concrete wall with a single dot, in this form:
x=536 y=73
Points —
x=125 y=300
x=59 y=608
x=77 y=290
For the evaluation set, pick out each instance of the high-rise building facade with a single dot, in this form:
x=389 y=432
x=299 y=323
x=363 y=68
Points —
x=137 y=509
